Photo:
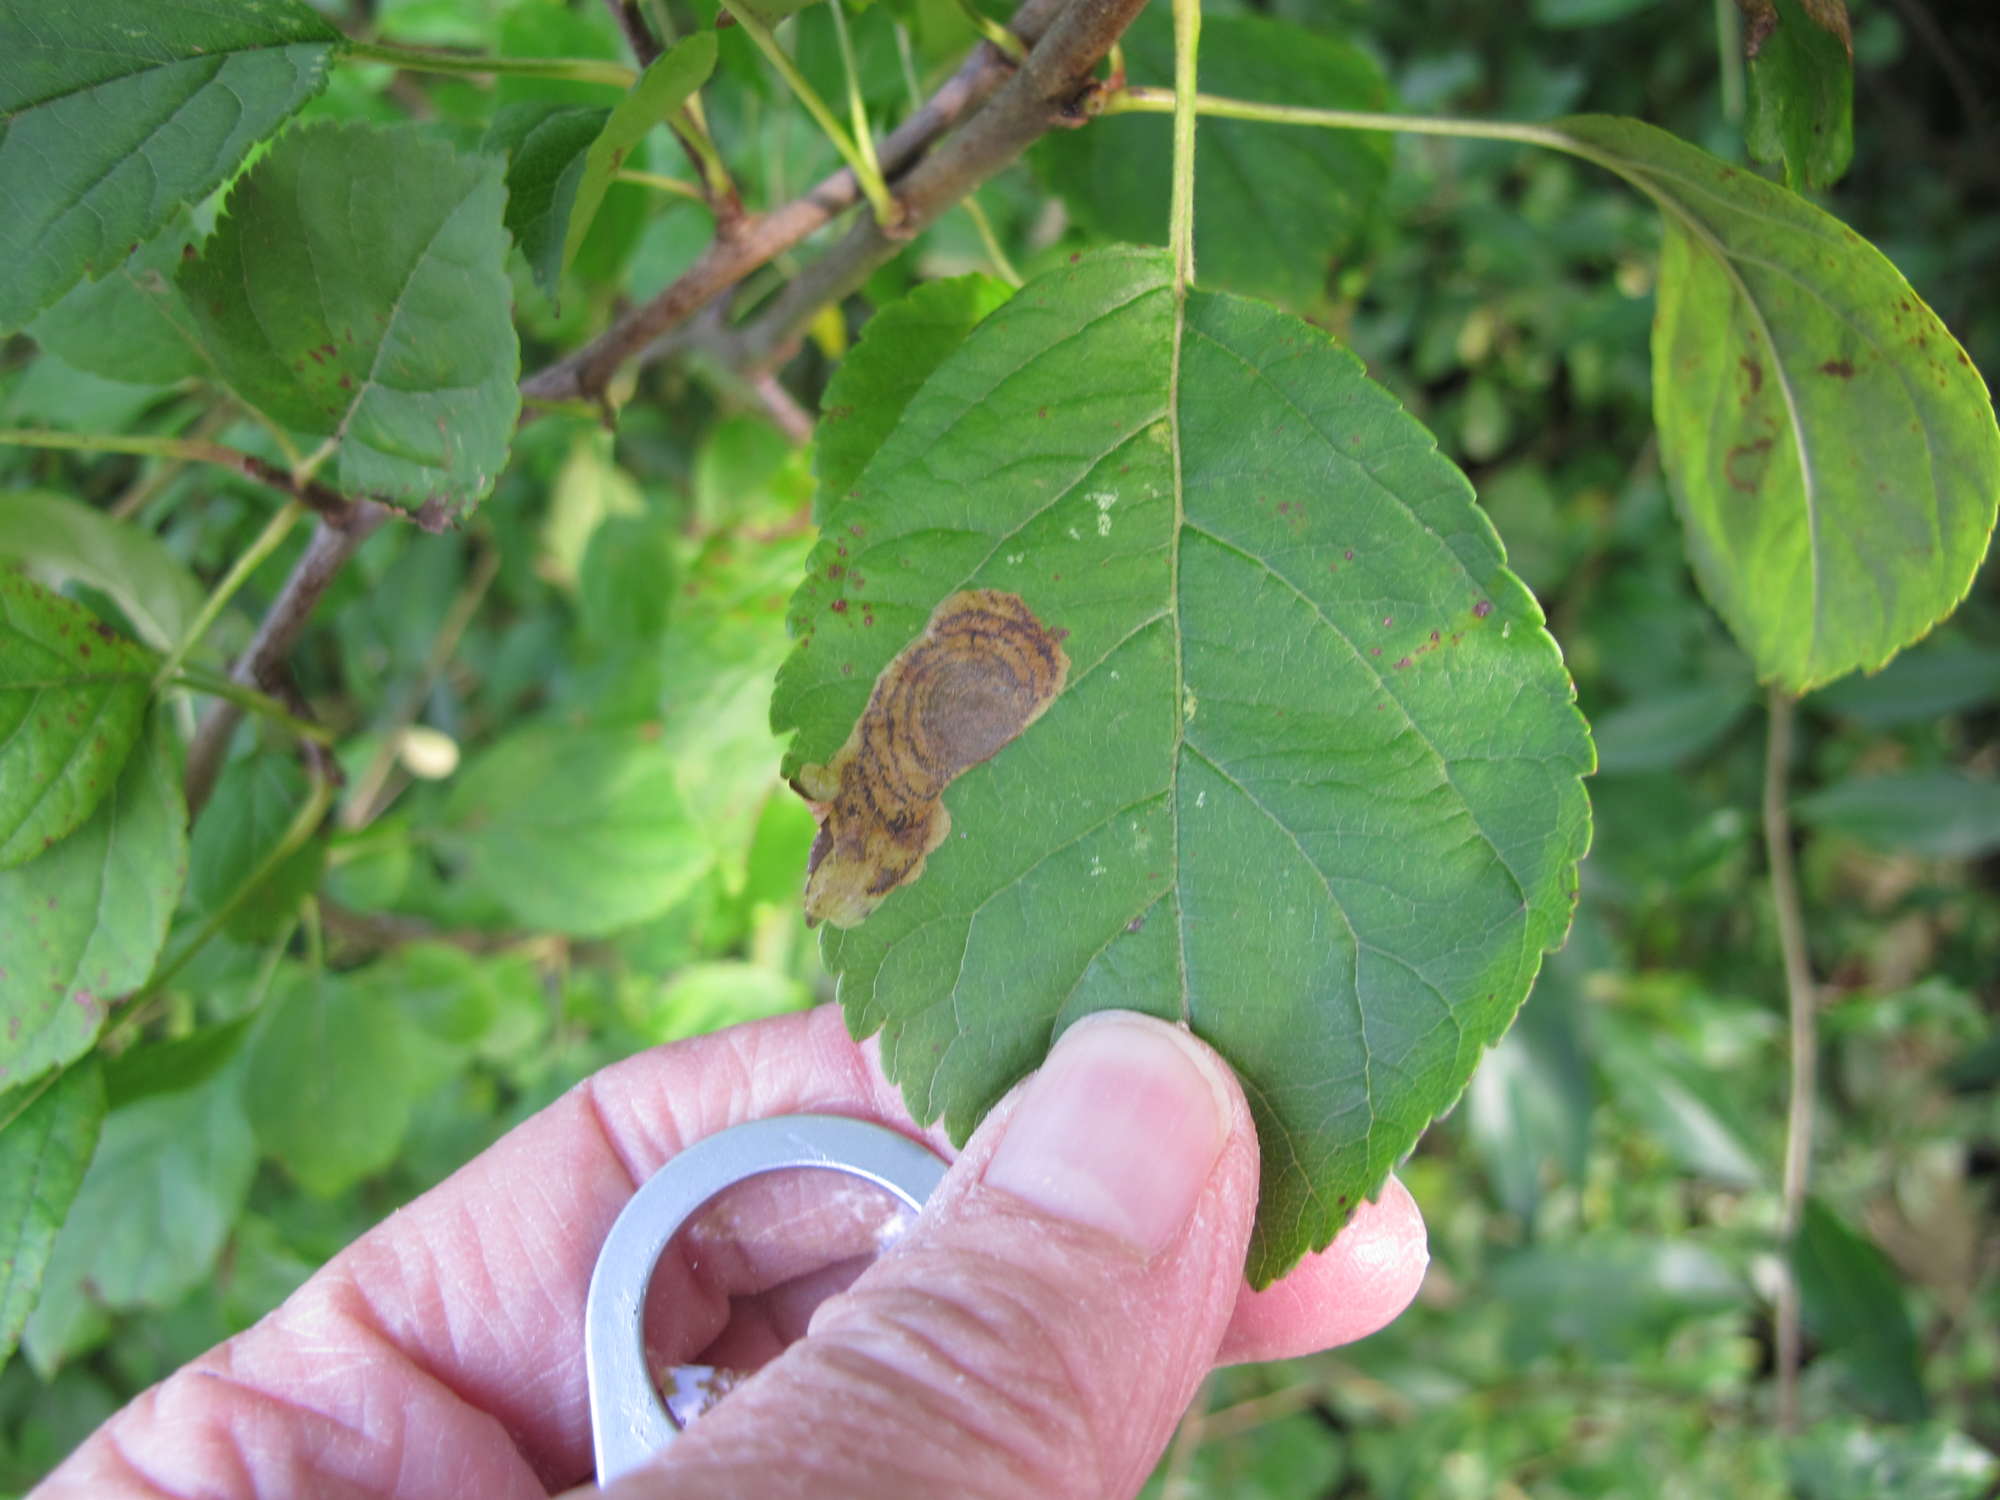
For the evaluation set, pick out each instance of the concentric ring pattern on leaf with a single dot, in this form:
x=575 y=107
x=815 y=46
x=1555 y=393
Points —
x=1313 y=785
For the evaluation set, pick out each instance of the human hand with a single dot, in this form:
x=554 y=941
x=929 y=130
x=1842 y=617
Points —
x=1039 y=1330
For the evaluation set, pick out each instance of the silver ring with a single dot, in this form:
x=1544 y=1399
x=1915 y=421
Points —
x=628 y=1422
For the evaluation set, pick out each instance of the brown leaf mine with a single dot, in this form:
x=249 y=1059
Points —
x=983 y=670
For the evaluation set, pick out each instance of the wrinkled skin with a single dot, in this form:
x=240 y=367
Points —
x=995 y=1351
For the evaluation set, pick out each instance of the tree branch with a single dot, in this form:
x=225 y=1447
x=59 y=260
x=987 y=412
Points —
x=1071 y=32
x=334 y=540
x=638 y=36
x=1050 y=89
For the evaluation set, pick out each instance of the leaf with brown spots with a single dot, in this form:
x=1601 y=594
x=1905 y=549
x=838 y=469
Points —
x=356 y=292
x=1310 y=782
x=72 y=697
x=1831 y=449
x=81 y=925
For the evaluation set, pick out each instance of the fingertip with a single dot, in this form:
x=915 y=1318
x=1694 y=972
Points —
x=1356 y=1286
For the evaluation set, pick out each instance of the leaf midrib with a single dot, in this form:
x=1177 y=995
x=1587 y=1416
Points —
x=114 y=80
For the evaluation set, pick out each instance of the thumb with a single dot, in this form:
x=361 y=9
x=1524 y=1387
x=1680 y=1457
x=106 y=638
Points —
x=1046 y=1322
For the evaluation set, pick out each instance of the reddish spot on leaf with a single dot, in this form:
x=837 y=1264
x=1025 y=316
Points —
x=1840 y=369
x=1349 y=554
x=1739 y=478
x=840 y=606
x=835 y=571
x=1388 y=620
x=1402 y=664
x=856 y=530
x=847 y=669
x=1752 y=372
x=1482 y=609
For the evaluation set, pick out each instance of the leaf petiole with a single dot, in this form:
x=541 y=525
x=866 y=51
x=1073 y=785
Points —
x=422 y=60
x=266 y=542
x=215 y=685
x=866 y=173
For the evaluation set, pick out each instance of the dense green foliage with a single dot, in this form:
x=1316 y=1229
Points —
x=512 y=804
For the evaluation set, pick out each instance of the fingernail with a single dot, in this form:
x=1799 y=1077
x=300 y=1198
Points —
x=1119 y=1130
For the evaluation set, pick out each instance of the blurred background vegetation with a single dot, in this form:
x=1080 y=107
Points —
x=481 y=933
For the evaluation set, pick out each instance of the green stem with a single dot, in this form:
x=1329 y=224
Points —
x=873 y=188
x=421 y=60
x=274 y=532
x=990 y=240
x=296 y=833
x=1729 y=54
x=662 y=184
x=215 y=685
x=192 y=449
x=1139 y=99
x=857 y=108
x=1802 y=1008
x=690 y=127
x=1010 y=45
x=1183 y=103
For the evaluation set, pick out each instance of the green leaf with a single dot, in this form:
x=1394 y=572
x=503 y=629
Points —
x=705 y=997
x=1313 y=785
x=1274 y=205
x=170 y=1176
x=1851 y=1300
x=663 y=88
x=900 y=346
x=113 y=113
x=72 y=697
x=357 y=293
x=330 y=1077
x=1678 y=1101
x=43 y=1153
x=577 y=831
x=544 y=144
x=1928 y=682
x=1567 y=14
x=1939 y=812
x=81 y=924
x=167 y=1067
x=255 y=802
x=1666 y=729
x=1830 y=447
x=625 y=586
x=1608 y=1295
x=1839 y=1458
x=61 y=540
x=131 y=325
x=1800 y=108
x=1527 y=1110
x=491 y=1005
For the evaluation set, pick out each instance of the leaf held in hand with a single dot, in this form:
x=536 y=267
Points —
x=983 y=670
x=1312 y=783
